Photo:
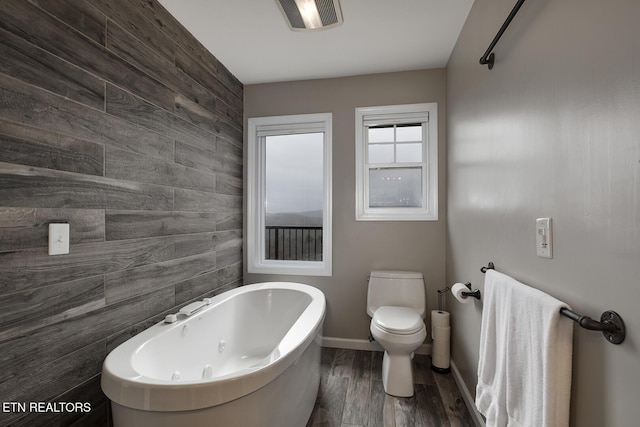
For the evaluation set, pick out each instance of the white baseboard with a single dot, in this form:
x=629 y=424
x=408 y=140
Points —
x=356 y=344
x=466 y=396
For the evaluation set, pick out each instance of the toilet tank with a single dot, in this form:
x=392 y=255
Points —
x=398 y=288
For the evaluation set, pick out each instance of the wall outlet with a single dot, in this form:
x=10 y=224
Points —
x=544 y=246
x=58 y=239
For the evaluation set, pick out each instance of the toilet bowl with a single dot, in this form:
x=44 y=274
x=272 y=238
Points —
x=396 y=304
x=400 y=331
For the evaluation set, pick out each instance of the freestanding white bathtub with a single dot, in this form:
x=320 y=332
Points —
x=251 y=357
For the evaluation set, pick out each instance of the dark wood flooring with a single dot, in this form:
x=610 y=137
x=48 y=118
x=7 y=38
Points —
x=351 y=395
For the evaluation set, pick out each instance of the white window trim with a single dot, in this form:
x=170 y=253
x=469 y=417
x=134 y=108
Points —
x=407 y=113
x=279 y=125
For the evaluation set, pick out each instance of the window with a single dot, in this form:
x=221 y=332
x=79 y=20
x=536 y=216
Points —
x=289 y=195
x=397 y=163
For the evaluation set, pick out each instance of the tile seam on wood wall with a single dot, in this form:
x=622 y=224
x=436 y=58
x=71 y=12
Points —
x=106 y=54
x=104 y=111
x=124 y=187
x=178 y=43
x=99 y=45
x=42 y=97
x=143 y=100
x=127 y=166
x=171 y=81
x=29 y=55
x=31 y=146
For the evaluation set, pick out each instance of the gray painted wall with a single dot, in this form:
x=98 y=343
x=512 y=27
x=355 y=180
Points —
x=552 y=131
x=359 y=247
x=115 y=120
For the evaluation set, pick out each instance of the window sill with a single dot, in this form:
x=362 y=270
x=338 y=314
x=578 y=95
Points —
x=399 y=216
x=297 y=268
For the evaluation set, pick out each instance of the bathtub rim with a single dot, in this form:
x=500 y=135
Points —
x=128 y=388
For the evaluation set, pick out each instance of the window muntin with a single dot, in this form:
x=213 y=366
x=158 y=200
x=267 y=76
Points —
x=396 y=162
x=289 y=195
x=395 y=143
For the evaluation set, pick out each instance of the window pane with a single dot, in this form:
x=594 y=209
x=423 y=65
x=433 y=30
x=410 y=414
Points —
x=409 y=133
x=381 y=153
x=395 y=187
x=406 y=153
x=294 y=197
x=381 y=134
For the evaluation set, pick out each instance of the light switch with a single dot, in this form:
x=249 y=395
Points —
x=543 y=238
x=58 y=239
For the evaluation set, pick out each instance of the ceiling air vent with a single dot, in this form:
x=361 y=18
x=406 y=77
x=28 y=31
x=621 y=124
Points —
x=304 y=15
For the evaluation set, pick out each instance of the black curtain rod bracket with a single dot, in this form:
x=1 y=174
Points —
x=489 y=58
x=610 y=324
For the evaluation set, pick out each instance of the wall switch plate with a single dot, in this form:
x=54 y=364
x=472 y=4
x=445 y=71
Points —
x=544 y=247
x=58 y=239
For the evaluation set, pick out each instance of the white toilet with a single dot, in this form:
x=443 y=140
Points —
x=397 y=306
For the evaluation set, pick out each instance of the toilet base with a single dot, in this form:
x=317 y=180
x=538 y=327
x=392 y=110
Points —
x=397 y=374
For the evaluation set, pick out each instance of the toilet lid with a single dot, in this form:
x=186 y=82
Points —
x=398 y=320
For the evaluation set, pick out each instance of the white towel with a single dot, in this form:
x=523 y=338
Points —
x=524 y=368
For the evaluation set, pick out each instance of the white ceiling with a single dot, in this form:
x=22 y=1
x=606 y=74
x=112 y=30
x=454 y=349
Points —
x=252 y=39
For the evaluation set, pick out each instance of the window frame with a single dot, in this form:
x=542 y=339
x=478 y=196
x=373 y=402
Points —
x=256 y=193
x=426 y=113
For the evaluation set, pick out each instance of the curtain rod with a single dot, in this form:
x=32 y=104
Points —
x=489 y=57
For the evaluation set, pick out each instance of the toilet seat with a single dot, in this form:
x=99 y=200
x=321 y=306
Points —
x=398 y=320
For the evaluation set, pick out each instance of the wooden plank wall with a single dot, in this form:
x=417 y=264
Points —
x=113 y=118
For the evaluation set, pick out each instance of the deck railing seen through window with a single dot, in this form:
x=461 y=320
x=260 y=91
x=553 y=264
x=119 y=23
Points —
x=293 y=243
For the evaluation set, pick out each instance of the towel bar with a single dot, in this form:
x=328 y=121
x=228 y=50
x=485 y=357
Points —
x=610 y=324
